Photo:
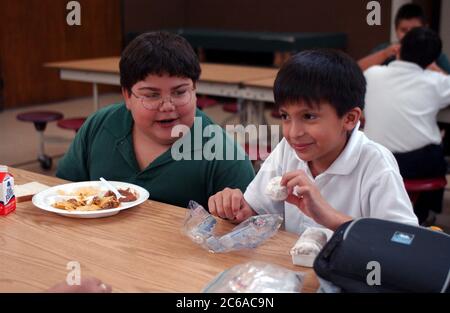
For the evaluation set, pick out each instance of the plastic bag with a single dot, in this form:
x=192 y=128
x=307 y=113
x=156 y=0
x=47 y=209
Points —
x=199 y=226
x=256 y=277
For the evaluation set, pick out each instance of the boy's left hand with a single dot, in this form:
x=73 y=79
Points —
x=309 y=200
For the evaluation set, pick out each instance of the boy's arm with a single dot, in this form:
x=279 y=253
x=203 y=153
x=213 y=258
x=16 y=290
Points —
x=378 y=57
x=443 y=90
x=308 y=199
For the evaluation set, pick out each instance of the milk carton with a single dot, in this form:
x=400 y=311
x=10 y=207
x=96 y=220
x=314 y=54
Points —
x=7 y=199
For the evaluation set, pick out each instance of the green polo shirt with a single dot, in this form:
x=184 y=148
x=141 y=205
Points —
x=103 y=147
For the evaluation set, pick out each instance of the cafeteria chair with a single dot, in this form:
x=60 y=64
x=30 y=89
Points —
x=230 y=107
x=275 y=113
x=415 y=186
x=71 y=123
x=40 y=120
x=204 y=102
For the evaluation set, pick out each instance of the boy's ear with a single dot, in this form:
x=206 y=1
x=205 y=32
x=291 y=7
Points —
x=351 y=118
x=126 y=96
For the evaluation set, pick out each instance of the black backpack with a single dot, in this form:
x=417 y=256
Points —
x=373 y=255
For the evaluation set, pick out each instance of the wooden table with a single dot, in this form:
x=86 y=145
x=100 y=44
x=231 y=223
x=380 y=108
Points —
x=262 y=88
x=216 y=79
x=138 y=250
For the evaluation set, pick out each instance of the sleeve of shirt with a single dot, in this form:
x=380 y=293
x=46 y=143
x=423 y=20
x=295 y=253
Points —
x=73 y=166
x=389 y=200
x=443 y=89
x=255 y=193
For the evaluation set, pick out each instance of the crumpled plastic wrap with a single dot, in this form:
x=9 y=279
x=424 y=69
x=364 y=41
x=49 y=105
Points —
x=199 y=226
x=256 y=277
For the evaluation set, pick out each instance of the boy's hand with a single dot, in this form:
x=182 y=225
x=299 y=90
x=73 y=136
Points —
x=310 y=201
x=434 y=67
x=230 y=204
x=89 y=284
x=392 y=50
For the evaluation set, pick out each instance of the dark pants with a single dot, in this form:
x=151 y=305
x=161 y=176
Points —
x=426 y=162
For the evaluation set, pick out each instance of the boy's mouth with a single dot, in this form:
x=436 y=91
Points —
x=302 y=146
x=168 y=122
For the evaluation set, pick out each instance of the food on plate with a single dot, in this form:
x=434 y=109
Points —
x=83 y=204
x=92 y=198
x=128 y=195
x=81 y=192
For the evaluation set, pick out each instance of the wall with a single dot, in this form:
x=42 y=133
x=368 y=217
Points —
x=445 y=26
x=35 y=31
x=256 y=15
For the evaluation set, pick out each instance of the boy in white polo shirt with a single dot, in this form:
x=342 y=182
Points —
x=332 y=171
x=402 y=102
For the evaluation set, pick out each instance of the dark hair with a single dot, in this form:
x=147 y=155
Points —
x=313 y=76
x=157 y=53
x=420 y=45
x=409 y=11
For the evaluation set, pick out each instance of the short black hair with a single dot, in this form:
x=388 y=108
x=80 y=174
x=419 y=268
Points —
x=409 y=11
x=420 y=45
x=157 y=53
x=313 y=76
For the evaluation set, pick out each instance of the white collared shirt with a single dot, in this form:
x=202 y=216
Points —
x=402 y=102
x=364 y=181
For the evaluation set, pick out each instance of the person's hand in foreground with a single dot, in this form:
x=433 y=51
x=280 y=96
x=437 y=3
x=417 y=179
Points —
x=87 y=285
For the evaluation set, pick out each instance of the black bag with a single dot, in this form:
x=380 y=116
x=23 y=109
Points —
x=410 y=258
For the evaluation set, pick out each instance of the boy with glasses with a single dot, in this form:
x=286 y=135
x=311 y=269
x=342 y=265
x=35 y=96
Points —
x=132 y=141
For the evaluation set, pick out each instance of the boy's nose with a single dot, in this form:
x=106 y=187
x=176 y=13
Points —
x=166 y=105
x=296 y=130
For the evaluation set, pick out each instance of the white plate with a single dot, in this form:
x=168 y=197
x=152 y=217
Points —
x=46 y=198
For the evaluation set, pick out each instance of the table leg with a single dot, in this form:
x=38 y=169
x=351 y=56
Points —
x=95 y=95
x=41 y=143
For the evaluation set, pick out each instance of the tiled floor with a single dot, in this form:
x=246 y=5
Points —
x=19 y=141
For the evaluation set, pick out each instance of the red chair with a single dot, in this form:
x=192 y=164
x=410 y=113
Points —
x=72 y=123
x=415 y=186
x=230 y=107
x=205 y=102
x=40 y=120
x=275 y=113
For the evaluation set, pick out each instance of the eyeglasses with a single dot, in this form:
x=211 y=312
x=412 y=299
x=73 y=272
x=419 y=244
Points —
x=178 y=98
